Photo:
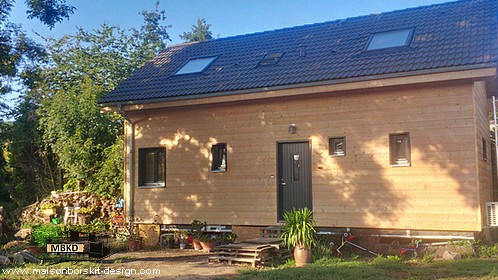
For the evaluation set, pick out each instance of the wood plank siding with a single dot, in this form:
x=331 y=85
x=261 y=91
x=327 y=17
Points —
x=484 y=165
x=443 y=189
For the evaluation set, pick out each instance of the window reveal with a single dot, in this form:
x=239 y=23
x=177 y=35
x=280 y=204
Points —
x=337 y=146
x=219 y=157
x=399 y=146
x=152 y=167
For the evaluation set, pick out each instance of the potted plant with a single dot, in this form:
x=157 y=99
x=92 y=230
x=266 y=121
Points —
x=227 y=238
x=197 y=230
x=182 y=236
x=299 y=232
x=41 y=236
x=49 y=208
x=84 y=214
x=134 y=238
x=167 y=240
x=208 y=242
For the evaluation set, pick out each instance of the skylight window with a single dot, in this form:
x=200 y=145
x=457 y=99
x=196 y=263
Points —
x=195 y=65
x=271 y=58
x=390 y=39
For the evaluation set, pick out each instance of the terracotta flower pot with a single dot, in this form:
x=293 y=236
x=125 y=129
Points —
x=208 y=246
x=197 y=245
x=302 y=256
x=134 y=245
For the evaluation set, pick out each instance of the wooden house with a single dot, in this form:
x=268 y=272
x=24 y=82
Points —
x=374 y=122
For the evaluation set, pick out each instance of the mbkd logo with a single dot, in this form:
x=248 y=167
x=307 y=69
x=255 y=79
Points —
x=65 y=248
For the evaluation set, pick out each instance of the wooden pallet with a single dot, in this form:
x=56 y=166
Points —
x=253 y=251
x=243 y=252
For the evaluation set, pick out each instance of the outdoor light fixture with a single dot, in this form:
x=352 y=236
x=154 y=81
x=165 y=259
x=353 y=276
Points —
x=292 y=128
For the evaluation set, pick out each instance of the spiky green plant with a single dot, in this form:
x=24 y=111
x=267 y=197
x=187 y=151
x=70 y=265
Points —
x=299 y=228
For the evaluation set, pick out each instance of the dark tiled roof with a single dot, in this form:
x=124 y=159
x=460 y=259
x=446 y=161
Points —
x=460 y=34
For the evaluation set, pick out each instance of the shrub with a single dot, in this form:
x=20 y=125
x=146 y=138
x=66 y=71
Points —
x=488 y=250
x=41 y=234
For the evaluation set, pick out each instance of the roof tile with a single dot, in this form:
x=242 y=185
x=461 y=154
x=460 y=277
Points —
x=461 y=33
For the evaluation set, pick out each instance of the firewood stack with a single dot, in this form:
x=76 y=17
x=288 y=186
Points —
x=104 y=208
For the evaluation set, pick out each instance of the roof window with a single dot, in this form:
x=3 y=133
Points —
x=271 y=58
x=196 y=65
x=390 y=39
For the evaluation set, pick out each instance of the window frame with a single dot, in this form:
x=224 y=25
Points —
x=408 y=40
x=213 y=59
x=332 y=146
x=142 y=167
x=271 y=58
x=484 y=149
x=396 y=160
x=216 y=167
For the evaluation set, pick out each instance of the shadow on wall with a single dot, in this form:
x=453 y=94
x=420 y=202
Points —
x=358 y=190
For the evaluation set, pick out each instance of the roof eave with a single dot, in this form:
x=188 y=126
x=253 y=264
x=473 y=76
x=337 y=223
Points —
x=489 y=70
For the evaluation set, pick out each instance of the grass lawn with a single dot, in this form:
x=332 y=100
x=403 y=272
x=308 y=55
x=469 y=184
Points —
x=381 y=268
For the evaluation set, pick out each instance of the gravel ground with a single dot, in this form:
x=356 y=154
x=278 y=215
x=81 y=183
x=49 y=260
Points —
x=172 y=264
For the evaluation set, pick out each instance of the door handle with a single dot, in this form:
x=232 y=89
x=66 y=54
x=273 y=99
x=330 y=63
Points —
x=282 y=183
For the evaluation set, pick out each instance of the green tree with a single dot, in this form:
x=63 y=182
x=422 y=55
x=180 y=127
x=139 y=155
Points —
x=17 y=51
x=49 y=12
x=25 y=164
x=200 y=32
x=83 y=68
x=34 y=170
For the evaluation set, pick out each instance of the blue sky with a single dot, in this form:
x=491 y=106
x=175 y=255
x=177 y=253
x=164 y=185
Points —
x=228 y=17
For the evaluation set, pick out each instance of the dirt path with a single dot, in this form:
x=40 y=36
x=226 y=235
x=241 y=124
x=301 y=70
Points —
x=172 y=264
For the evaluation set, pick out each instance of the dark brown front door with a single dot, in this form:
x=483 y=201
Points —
x=294 y=176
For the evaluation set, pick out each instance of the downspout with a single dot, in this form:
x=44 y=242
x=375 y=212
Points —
x=131 y=145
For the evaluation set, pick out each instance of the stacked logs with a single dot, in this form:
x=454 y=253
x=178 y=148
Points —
x=104 y=208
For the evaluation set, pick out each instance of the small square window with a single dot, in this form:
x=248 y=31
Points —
x=219 y=154
x=399 y=146
x=152 y=167
x=337 y=146
x=390 y=39
x=195 y=65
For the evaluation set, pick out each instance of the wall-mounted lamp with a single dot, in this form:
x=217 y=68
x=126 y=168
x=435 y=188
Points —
x=292 y=128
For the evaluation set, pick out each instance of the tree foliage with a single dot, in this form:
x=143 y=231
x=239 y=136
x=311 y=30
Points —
x=56 y=135
x=49 y=12
x=83 y=68
x=17 y=51
x=199 y=32
x=27 y=168
x=34 y=170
